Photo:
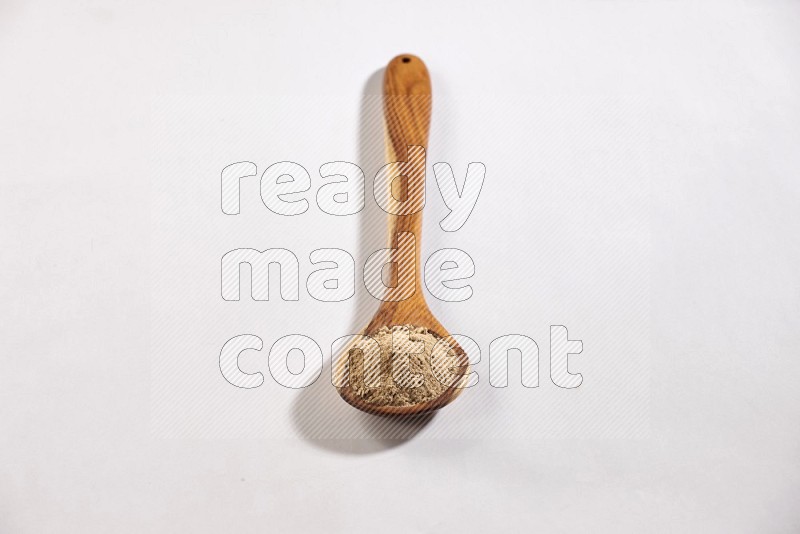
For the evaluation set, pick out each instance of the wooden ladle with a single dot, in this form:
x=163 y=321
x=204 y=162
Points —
x=407 y=110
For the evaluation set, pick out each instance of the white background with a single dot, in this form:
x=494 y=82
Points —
x=681 y=117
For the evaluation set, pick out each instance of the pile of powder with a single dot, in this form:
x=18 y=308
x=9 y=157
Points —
x=402 y=375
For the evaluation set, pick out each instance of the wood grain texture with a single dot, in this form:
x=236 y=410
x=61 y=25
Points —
x=407 y=111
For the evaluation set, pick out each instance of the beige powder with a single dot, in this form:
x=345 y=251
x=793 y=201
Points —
x=401 y=374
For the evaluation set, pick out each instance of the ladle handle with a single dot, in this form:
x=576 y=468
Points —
x=407 y=110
